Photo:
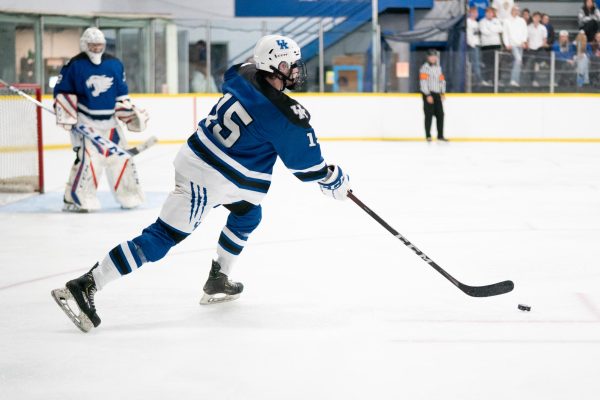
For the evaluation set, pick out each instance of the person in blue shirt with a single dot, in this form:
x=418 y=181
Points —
x=227 y=162
x=564 y=55
x=572 y=60
x=481 y=6
x=92 y=90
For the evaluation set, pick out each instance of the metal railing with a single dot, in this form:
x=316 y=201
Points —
x=542 y=71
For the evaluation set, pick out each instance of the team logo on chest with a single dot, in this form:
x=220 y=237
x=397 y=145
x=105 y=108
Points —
x=99 y=84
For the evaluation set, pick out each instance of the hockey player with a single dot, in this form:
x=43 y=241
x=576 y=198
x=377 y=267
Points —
x=228 y=161
x=91 y=90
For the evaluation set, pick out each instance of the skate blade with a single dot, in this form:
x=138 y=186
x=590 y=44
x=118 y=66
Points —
x=208 y=299
x=81 y=321
x=73 y=208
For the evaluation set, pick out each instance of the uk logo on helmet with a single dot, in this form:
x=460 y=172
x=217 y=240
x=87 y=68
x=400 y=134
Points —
x=282 y=44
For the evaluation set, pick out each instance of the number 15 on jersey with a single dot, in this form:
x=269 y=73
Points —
x=233 y=115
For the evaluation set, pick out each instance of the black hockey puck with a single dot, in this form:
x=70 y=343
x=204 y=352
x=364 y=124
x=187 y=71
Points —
x=524 y=307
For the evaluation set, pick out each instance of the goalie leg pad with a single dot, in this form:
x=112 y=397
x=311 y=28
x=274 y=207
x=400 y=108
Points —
x=80 y=192
x=122 y=175
x=124 y=182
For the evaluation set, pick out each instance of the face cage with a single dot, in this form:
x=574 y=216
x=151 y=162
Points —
x=298 y=83
x=89 y=44
x=289 y=82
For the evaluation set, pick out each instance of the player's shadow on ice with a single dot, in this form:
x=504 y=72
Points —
x=52 y=203
x=234 y=315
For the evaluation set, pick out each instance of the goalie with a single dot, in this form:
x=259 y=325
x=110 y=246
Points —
x=91 y=90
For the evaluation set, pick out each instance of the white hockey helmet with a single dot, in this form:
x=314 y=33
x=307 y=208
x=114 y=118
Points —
x=273 y=50
x=92 y=36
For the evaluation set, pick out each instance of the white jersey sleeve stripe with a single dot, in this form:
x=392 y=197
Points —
x=315 y=168
x=230 y=161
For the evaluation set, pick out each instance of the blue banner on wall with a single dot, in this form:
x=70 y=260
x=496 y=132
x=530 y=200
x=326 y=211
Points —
x=316 y=8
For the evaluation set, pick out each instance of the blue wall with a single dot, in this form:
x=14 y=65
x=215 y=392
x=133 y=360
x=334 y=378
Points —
x=321 y=8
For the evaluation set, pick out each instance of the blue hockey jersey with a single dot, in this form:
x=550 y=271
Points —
x=250 y=126
x=98 y=87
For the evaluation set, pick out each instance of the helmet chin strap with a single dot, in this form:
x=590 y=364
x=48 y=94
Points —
x=285 y=78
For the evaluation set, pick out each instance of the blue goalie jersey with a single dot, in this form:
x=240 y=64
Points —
x=98 y=87
x=249 y=127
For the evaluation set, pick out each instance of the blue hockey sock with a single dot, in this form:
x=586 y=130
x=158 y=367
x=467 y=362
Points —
x=152 y=245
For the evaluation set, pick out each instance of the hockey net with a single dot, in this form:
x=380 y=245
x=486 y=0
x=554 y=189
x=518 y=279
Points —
x=21 y=152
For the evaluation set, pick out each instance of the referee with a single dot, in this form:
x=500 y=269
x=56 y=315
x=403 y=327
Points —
x=433 y=87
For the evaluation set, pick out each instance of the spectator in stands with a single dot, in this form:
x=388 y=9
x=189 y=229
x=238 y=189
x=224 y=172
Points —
x=515 y=40
x=582 y=59
x=526 y=15
x=595 y=61
x=564 y=55
x=481 y=6
x=502 y=8
x=589 y=19
x=549 y=28
x=537 y=37
x=595 y=45
x=473 y=47
x=490 y=28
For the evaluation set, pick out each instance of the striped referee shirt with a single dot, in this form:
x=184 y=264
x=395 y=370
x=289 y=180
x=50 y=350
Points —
x=432 y=79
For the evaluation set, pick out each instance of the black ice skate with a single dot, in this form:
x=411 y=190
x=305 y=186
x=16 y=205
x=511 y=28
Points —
x=219 y=288
x=82 y=291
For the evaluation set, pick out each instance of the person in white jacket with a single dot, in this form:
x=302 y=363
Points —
x=473 y=45
x=503 y=8
x=537 y=43
x=515 y=40
x=490 y=28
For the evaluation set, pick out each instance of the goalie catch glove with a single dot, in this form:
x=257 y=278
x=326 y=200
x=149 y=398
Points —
x=65 y=107
x=134 y=117
x=336 y=184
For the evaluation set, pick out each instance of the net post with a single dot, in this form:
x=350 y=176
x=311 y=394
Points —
x=38 y=111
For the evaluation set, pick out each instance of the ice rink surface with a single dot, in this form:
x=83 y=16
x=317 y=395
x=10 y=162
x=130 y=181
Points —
x=334 y=307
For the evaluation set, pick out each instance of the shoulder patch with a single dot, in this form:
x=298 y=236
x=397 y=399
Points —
x=290 y=108
x=293 y=110
x=300 y=111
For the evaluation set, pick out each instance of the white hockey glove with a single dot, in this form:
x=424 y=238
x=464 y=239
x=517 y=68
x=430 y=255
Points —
x=134 y=117
x=65 y=107
x=336 y=184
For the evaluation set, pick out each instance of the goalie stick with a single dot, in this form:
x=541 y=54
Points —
x=474 y=291
x=107 y=144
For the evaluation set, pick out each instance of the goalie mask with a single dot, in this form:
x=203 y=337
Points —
x=281 y=56
x=93 y=43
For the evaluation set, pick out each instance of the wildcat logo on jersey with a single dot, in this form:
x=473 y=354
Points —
x=282 y=44
x=99 y=83
x=299 y=111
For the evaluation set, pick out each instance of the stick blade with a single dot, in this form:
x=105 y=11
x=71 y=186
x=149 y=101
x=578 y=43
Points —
x=144 y=146
x=489 y=290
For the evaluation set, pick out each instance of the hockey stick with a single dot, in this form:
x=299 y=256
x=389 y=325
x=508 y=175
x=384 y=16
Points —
x=474 y=291
x=109 y=145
